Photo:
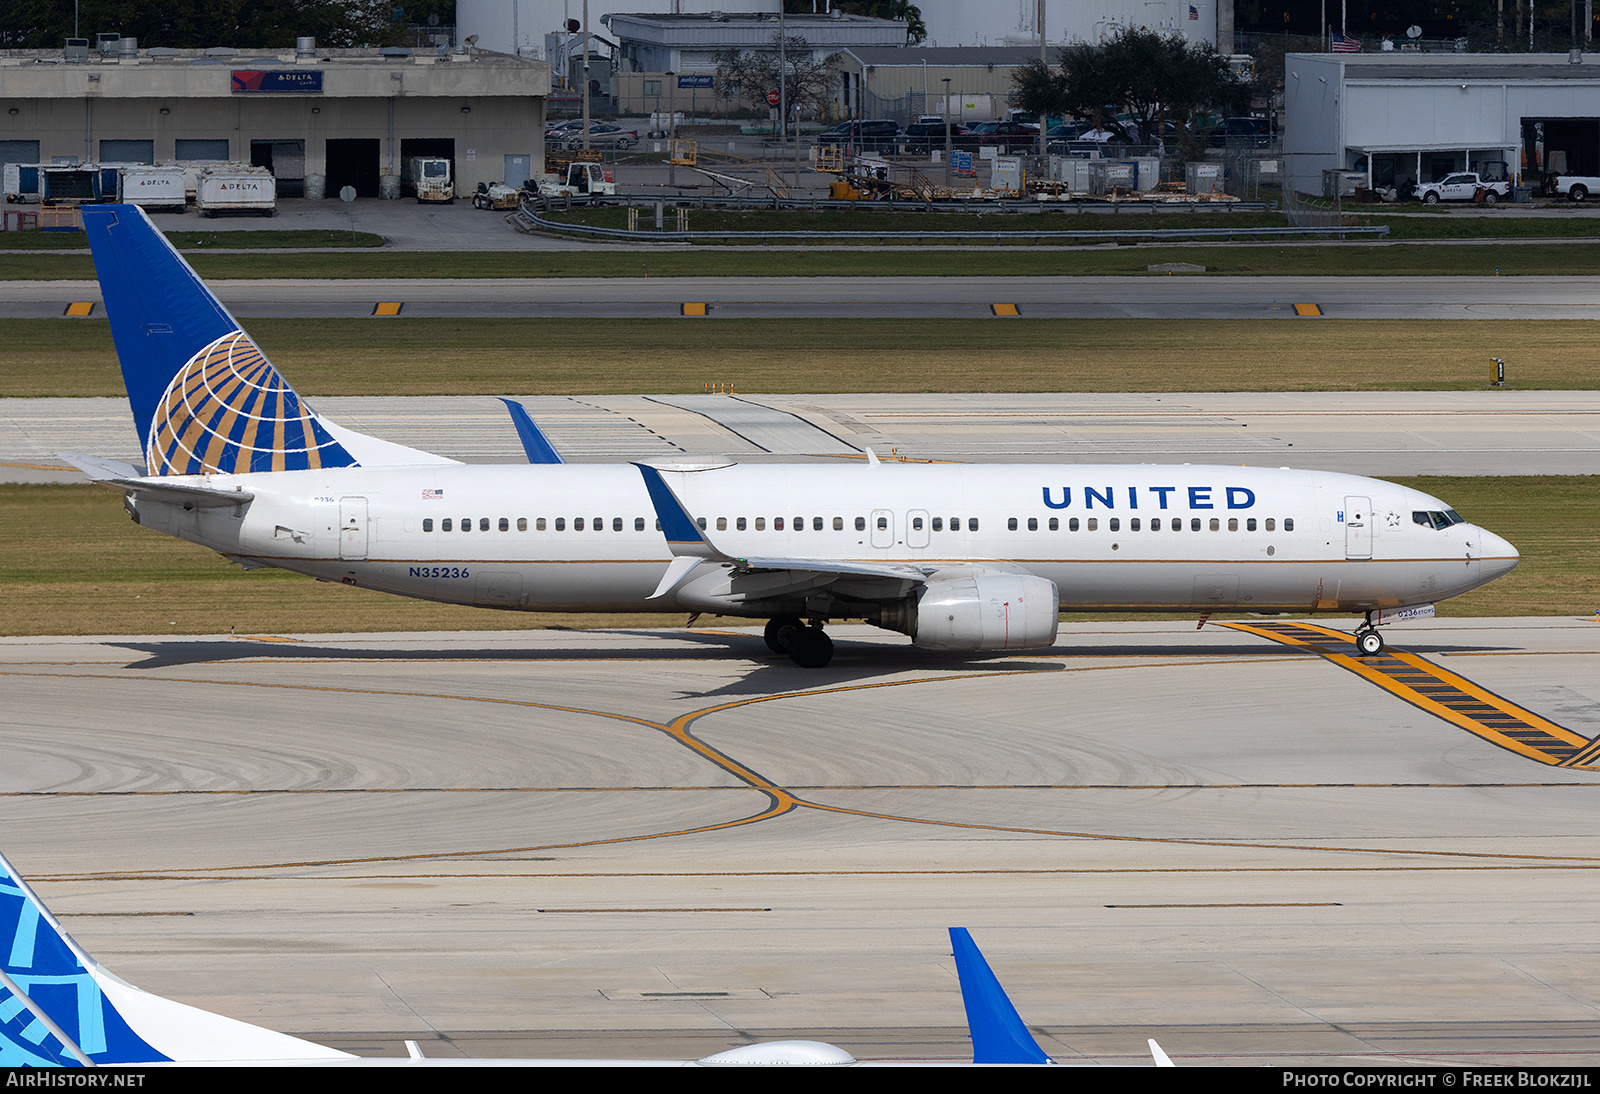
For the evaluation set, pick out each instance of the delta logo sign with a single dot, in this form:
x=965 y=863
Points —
x=271 y=80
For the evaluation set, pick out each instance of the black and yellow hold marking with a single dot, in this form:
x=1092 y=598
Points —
x=387 y=308
x=1442 y=693
x=1005 y=309
x=694 y=309
x=1309 y=310
x=79 y=309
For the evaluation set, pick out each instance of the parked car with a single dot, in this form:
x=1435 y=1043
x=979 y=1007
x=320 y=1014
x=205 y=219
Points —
x=1250 y=132
x=1573 y=187
x=1463 y=186
x=862 y=132
x=923 y=136
x=603 y=135
x=1005 y=135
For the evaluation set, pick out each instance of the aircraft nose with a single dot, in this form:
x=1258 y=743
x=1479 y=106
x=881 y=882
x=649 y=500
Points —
x=1498 y=556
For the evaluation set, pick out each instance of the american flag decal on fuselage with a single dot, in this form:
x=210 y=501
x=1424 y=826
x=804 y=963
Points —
x=228 y=410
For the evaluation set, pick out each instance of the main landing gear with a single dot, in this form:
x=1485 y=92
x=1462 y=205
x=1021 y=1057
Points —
x=809 y=647
x=1369 y=643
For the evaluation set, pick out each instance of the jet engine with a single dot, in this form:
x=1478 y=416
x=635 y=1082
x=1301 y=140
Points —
x=983 y=611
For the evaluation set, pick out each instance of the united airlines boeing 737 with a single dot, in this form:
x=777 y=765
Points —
x=957 y=557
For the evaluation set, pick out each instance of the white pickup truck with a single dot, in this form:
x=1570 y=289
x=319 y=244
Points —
x=1575 y=187
x=1463 y=186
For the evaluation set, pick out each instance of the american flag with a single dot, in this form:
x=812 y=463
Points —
x=1341 y=44
x=432 y=495
x=1194 y=12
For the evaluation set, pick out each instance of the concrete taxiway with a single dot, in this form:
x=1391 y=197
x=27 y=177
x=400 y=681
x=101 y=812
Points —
x=669 y=842
x=1370 y=432
x=1179 y=297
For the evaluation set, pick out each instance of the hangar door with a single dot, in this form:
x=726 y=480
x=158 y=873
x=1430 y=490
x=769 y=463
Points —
x=353 y=162
x=441 y=147
x=127 y=151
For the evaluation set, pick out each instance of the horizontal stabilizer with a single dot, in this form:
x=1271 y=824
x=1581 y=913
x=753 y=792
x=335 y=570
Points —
x=100 y=469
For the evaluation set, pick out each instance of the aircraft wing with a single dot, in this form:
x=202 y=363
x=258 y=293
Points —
x=753 y=576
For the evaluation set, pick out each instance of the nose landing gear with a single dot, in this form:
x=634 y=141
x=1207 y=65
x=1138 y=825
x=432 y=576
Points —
x=1369 y=643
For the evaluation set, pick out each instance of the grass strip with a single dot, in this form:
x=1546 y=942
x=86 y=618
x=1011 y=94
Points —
x=73 y=563
x=49 y=357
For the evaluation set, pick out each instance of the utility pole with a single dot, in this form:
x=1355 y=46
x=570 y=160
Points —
x=1043 y=64
x=947 y=141
x=586 y=75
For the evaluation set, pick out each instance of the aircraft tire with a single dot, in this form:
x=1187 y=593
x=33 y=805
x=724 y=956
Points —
x=781 y=631
x=1369 y=643
x=811 y=648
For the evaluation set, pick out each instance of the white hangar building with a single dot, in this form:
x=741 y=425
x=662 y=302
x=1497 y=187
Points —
x=1421 y=116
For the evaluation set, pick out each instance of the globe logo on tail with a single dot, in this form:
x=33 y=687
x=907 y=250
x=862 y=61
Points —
x=229 y=411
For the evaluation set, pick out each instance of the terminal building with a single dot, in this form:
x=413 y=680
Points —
x=319 y=119
x=1414 y=116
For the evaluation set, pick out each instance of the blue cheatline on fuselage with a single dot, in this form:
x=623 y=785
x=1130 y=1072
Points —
x=229 y=410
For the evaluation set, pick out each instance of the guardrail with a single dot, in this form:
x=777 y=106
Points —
x=532 y=221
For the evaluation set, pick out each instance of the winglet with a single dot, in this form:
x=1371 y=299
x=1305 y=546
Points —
x=1160 y=1057
x=534 y=442
x=998 y=1033
x=684 y=536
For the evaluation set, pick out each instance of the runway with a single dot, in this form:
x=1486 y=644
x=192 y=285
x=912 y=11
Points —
x=1370 y=433
x=1156 y=297
x=669 y=842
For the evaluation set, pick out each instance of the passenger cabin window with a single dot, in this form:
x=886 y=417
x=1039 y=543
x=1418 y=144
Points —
x=638 y=524
x=701 y=521
x=427 y=524
x=577 y=524
x=505 y=524
x=561 y=524
x=861 y=524
x=1272 y=525
x=1155 y=524
x=1250 y=524
x=599 y=524
x=1133 y=524
x=1194 y=524
x=761 y=524
x=1055 y=524
x=972 y=524
x=483 y=524
x=777 y=524
x=938 y=524
x=916 y=523
x=444 y=525
x=838 y=524
x=616 y=524
x=1072 y=524
x=1115 y=524
x=722 y=524
x=1011 y=524
x=816 y=524
x=1288 y=524
x=739 y=524
x=1216 y=524
x=1094 y=524
x=466 y=524
x=883 y=524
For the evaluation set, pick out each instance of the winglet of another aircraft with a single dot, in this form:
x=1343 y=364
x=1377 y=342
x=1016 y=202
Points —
x=998 y=1033
x=534 y=442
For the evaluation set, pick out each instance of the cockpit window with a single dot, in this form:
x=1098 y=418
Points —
x=1435 y=519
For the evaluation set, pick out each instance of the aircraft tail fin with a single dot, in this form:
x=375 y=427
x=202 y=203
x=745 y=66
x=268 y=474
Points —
x=998 y=1033
x=204 y=396
x=58 y=1007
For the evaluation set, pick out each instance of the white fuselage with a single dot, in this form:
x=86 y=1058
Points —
x=585 y=537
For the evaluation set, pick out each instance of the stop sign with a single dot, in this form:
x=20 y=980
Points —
x=772 y=98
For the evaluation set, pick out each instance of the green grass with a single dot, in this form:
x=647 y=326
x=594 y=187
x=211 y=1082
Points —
x=72 y=562
x=200 y=241
x=1275 y=260
x=54 y=357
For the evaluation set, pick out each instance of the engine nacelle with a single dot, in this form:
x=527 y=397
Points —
x=988 y=611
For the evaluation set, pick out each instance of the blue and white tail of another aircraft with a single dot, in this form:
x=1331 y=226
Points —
x=60 y=1008
x=205 y=398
